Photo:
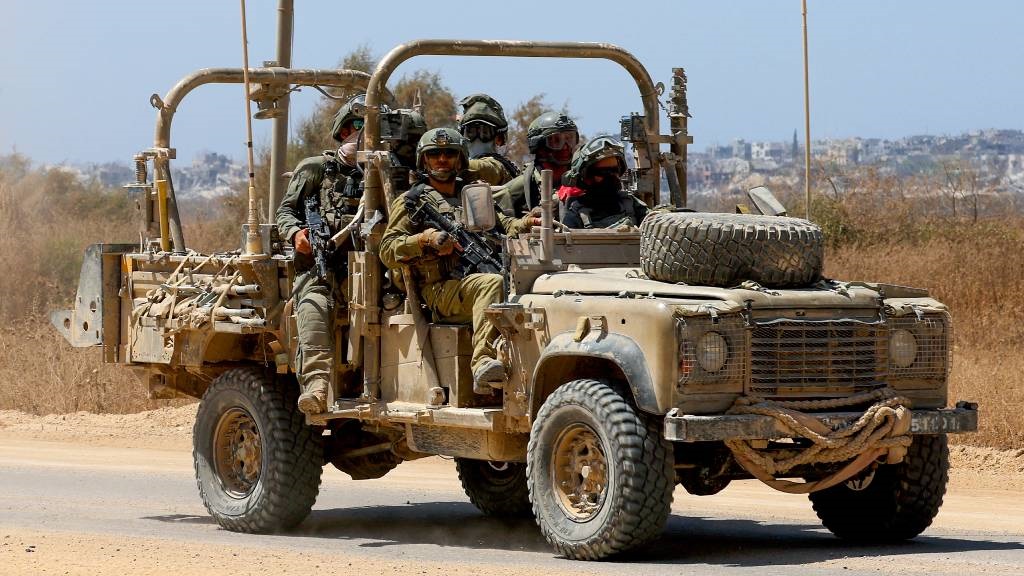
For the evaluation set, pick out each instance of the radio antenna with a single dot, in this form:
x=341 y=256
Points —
x=253 y=241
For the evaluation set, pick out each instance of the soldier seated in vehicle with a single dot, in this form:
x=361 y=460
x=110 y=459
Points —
x=335 y=179
x=432 y=255
x=551 y=138
x=592 y=195
x=485 y=128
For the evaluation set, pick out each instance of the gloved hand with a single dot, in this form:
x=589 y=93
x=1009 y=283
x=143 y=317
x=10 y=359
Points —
x=533 y=218
x=437 y=240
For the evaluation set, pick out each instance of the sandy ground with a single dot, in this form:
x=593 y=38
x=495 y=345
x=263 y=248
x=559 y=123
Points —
x=979 y=530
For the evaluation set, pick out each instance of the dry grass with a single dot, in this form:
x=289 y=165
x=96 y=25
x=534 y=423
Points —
x=878 y=229
x=976 y=277
x=43 y=374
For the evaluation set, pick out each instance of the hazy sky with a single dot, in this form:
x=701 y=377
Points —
x=76 y=76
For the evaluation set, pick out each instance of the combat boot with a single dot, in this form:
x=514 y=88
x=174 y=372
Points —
x=489 y=371
x=314 y=399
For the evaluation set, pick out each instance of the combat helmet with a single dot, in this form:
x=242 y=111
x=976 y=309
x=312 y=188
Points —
x=405 y=135
x=442 y=139
x=545 y=125
x=354 y=109
x=482 y=108
x=598 y=148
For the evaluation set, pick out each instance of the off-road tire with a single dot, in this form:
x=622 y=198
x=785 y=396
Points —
x=898 y=504
x=495 y=488
x=638 y=493
x=291 y=454
x=726 y=249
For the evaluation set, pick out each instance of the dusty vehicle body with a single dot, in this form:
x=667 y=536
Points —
x=615 y=391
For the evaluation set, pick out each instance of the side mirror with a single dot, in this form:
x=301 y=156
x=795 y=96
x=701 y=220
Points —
x=478 y=207
x=766 y=202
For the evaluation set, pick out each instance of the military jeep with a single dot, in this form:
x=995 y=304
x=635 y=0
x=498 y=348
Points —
x=697 y=350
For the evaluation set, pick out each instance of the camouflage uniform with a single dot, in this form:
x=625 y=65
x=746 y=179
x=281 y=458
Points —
x=340 y=189
x=315 y=300
x=450 y=299
x=457 y=300
x=489 y=170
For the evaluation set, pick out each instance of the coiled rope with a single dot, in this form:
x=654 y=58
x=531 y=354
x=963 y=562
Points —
x=882 y=430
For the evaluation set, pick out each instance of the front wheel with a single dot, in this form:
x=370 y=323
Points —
x=599 y=472
x=889 y=503
x=257 y=464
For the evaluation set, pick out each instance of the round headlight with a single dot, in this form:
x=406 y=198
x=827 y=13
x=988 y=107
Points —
x=712 y=352
x=902 y=348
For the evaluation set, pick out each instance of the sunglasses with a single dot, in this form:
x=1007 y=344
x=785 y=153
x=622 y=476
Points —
x=560 y=140
x=439 y=152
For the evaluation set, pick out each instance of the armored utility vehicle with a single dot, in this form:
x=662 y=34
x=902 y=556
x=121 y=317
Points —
x=697 y=350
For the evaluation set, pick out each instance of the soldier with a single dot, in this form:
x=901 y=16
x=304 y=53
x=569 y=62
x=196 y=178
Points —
x=432 y=255
x=552 y=137
x=336 y=179
x=592 y=195
x=404 y=129
x=484 y=125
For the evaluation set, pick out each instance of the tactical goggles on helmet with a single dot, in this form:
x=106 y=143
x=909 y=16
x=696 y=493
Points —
x=614 y=147
x=481 y=131
x=560 y=140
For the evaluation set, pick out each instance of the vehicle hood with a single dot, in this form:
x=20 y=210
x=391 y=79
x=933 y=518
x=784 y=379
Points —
x=632 y=282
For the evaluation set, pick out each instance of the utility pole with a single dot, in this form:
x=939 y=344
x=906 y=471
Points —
x=807 y=122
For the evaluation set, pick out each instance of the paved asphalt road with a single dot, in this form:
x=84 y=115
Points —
x=419 y=512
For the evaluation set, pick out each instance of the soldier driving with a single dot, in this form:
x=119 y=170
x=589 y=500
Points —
x=330 y=183
x=433 y=255
x=592 y=195
x=551 y=138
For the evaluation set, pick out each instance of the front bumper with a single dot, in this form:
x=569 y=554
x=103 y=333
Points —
x=689 y=428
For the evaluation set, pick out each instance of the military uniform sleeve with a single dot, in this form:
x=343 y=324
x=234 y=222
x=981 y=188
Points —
x=489 y=170
x=291 y=214
x=398 y=245
x=514 y=226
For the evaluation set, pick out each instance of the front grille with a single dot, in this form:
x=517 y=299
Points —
x=816 y=357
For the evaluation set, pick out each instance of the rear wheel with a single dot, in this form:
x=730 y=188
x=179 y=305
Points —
x=599 y=472
x=495 y=488
x=257 y=464
x=891 y=502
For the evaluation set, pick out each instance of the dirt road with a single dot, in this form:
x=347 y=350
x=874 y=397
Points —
x=108 y=503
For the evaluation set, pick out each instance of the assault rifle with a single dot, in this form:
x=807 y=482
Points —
x=476 y=254
x=319 y=235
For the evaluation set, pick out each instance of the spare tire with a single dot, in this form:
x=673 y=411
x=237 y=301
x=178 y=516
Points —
x=726 y=249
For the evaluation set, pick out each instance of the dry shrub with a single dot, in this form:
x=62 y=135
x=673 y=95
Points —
x=48 y=218
x=43 y=374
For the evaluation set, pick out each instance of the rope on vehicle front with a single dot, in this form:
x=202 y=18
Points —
x=882 y=430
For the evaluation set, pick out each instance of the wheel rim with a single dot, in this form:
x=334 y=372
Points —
x=580 y=472
x=238 y=452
